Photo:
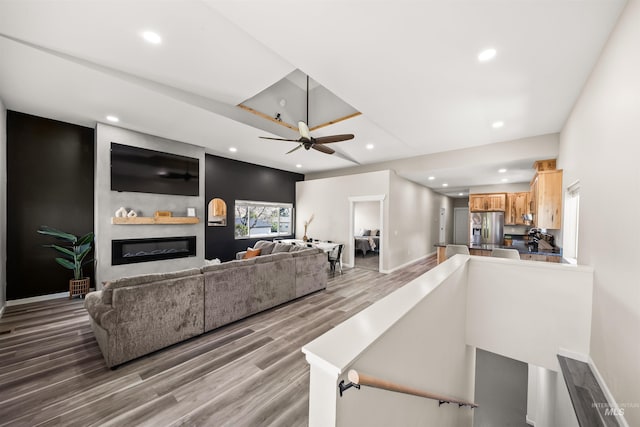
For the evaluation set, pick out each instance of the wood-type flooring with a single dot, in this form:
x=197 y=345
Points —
x=249 y=373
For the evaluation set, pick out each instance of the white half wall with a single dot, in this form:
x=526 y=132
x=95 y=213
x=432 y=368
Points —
x=107 y=202
x=3 y=206
x=529 y=310
x=599 y=146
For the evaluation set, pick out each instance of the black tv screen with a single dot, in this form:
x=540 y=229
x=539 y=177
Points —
x=149 y=171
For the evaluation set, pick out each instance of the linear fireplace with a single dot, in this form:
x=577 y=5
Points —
x=130 y=251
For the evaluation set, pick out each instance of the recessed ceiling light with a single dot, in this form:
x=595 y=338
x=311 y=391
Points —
x=370 y=146
x=445 y=185
x=497 y=125
x=282 y=102
x=233 y=149
x=503 y=170
x=431 y=178
x=152 y=37
x=487 y=55
x=298 y=165
x=460 y=194
x=505 y=179
x=113 y=119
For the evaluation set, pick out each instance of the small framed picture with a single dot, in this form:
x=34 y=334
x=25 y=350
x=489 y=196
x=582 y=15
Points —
x=191 y=211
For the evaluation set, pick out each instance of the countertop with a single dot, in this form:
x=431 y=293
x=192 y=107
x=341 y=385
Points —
x=519 y=245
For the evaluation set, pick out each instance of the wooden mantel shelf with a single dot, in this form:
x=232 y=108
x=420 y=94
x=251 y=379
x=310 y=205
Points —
x=146 y=220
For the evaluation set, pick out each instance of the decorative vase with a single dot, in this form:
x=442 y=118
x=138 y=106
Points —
x=305 y=238
x=78 y=287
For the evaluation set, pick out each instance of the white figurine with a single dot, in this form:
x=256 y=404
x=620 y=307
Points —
x=121 y=213
x=132 y=214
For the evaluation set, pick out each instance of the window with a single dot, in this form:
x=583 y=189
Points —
x=263 y=219
x=571 y=222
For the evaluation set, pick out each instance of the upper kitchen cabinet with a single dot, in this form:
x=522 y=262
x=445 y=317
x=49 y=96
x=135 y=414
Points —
x=487 y=202
x=546 y=199
x=517 y=206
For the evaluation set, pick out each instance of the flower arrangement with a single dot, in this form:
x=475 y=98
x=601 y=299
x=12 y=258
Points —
x=306 y=225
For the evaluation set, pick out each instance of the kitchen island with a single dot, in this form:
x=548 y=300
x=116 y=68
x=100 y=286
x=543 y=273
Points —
x=551 y=255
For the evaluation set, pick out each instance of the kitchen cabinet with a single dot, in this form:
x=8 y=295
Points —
x=541 y=257
x=546 y=199
x=517 y=205
x=487 y=202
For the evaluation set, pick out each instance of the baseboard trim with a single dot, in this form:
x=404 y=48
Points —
x=36 y=299
x=607 y=393
x=530 y=421
x=408 y=263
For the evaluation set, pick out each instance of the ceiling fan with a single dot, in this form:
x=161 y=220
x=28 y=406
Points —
x=307 y=141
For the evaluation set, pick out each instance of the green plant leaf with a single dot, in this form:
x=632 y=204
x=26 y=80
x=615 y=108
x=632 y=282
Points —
x=66 y=263
x=49 y=231
x=86 y=239
x=61 y=249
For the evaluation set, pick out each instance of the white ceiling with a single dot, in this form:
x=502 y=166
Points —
x=410 y=68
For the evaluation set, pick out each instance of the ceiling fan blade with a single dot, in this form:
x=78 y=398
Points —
x=304 y=131
x=279 y=139
x=323 y=149
x=294 y=149
x=333 y=138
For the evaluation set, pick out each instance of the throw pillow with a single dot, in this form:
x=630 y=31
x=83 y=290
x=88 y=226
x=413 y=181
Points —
x=375 y=232
x=366 y=233
x=281 y=247
x=251 y=253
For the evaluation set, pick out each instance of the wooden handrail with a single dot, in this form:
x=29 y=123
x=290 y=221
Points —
x=363 y=379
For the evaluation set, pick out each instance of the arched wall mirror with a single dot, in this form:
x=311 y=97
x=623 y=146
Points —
x=217 y=213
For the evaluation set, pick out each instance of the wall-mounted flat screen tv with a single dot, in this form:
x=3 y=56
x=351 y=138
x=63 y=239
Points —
x=149 y=171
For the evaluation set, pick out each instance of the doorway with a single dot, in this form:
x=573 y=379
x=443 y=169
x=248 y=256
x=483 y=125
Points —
x=366 y=232
x=460 y=226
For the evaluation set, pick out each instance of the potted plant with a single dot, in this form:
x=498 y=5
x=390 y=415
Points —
x=73 y=254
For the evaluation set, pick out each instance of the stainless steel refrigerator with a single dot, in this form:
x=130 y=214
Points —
x=486 y=228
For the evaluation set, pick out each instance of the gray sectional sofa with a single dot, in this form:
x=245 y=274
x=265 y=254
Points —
x=134 y=316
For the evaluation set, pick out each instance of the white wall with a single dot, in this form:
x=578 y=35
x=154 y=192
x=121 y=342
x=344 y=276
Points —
x=411 y=214
x=414 y=219
x=529 y=310
x=548 y=401
x=328 y=200
x=366 y=216
x=3 y=206
x=600 y=146
x=107 y=202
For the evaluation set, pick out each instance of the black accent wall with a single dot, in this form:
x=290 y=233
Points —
x=50 y=181
x=233 y=180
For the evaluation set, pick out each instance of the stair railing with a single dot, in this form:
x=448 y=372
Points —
x=359 y=379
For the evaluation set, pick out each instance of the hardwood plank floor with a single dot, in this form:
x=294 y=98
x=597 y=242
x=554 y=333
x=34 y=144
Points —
x=249 y=373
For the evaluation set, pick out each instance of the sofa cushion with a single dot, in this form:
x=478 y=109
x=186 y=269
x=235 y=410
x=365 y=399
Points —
x=230 y=264
x=297 y=248
x=147 y=278
x=306 y=252
x=273 y=257
x=265 y=246
x=281 y=247
x=251 y=253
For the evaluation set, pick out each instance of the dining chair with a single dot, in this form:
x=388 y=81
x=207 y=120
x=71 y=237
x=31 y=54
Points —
x=505 y=253
x=335 y=257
